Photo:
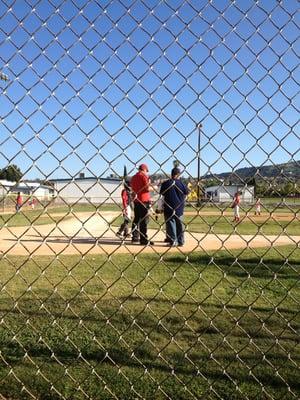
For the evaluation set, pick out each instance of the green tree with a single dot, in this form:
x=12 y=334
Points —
x=288 y=189
x=212 y=182
x=251 y=181
x=261 y=189
x=11 y=173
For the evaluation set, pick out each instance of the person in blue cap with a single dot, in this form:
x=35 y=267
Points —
x=174 y=192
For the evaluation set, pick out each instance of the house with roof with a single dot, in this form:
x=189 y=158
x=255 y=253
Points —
x=225 y=193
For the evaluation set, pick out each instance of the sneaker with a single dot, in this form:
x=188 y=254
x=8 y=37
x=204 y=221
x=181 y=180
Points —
x=171 y=244
x=135 y=241
x=120 y=236
x=167 y=240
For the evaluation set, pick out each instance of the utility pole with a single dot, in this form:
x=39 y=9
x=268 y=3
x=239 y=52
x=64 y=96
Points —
x=3 y=77
x=199 y=126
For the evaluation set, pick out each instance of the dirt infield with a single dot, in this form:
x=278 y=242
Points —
x=90 y=233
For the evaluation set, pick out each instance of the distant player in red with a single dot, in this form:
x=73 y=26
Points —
x=32 y=203
x=236 y=207
x=123 y=232
x=19 y=202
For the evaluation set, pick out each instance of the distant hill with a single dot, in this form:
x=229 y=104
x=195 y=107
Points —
x=290 y=170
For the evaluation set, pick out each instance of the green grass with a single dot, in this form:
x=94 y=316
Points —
x=27 y=216
x=30 y=217
x=41 y=216
x=267 y=207
x=224 y=225
x=198 y=223
x=209 y=326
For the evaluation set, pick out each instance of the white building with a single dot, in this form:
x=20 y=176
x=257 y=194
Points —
x=224 y=193
x=87 y=190
x=30 y=188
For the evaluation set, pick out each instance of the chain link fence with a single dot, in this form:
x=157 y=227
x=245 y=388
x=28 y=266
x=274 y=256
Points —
x=89 y=91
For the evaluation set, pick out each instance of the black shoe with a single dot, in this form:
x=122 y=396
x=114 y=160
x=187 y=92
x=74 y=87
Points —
x=167 y=240
x=147 y=243
x=135 y=241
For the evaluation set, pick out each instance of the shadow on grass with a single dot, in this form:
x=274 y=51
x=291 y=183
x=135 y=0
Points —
x=206 y=304
x=109 y=308
x=94 y=343
x=75 y=240
x=114 y=241
x=210 y=368
x=243 y=266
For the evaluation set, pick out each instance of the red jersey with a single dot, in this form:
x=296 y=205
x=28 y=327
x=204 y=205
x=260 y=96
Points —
x=140 y=186
x=236 y=200
x=125 y=198
x=19 y=200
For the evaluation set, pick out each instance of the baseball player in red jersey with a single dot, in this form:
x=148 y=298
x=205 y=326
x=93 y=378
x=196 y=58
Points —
x=236 y=207
x=19 y=202
x=123 y=231
x=141 y=187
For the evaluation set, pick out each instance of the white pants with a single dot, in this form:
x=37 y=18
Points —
x=127 y=212
x=236 y=211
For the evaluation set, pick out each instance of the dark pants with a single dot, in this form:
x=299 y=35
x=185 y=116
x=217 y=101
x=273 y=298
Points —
x=174 y=229
x=140 y=222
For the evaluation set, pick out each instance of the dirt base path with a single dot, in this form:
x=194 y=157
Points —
x=89 y=233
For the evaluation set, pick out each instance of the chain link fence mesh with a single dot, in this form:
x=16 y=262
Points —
x=89 y=91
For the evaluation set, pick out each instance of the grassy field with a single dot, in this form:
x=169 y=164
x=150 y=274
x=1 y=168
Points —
x=223 y=224
x=41 y=216
x=198 y=223
x=248 y=226
x=215 y=326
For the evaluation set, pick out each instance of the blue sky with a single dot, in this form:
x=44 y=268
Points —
x=95 y=85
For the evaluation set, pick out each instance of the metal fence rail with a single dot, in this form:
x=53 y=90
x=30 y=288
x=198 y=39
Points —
x=89 y=91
